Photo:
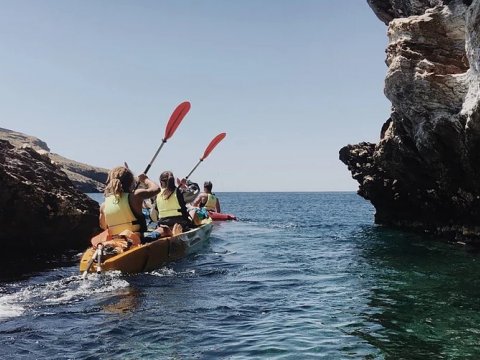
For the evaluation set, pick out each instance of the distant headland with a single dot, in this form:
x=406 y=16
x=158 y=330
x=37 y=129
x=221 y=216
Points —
x=86 y=178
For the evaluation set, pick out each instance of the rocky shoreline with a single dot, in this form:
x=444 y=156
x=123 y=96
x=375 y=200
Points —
x=86 y=178
x=423 y=174
x=41 y=211
x=43 y=206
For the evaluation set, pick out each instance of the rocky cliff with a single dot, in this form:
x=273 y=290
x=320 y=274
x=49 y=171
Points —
x=424 y=173
x=85 y=177
x=40 y=209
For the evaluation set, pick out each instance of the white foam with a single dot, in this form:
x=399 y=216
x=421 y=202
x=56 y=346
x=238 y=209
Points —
x=163 y=272
x=61 y=291
x=74 y=288
x=9 y=307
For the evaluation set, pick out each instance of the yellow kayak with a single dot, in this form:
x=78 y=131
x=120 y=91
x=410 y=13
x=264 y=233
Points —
x=147 y=257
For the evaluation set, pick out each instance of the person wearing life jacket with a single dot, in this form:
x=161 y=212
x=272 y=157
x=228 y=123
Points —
x=171 y=205
x=207 y=199
x=121 y=212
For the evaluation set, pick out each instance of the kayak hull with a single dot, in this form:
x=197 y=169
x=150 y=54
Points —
x=150 y=256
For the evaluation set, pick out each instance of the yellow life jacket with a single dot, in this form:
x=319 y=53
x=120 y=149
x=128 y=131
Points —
x=211 y=203
x=118 y=215
x=168 y=207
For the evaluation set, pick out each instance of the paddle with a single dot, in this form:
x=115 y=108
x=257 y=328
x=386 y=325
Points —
x=95 y=256
x=208 y=150
x=172 y=125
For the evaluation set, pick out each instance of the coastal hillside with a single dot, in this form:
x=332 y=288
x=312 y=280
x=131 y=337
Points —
x=86 y=178
x=424 y=172
x=41 y=210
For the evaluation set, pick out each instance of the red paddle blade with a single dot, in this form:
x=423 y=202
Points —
x=212 y=144
x=176 y=119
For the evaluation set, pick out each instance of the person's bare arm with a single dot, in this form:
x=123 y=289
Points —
x=199 y=200
x=140 y=194
x=101 y=217
x=217 y=206
x=151 y=189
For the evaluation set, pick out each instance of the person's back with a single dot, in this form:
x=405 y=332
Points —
x=170 y=203
x=122 y=209
x=119 y=215
x=207 y=199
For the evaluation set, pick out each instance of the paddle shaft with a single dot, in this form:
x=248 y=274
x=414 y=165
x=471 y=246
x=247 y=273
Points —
x=90 y=262
x=194 y=169
x=172 y=125
x=208 y=150
x=151 y=162
x=154 y=156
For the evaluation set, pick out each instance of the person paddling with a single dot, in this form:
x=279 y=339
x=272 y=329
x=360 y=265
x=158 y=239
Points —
x=121 y=212
x=171 y=205
x=207 y=199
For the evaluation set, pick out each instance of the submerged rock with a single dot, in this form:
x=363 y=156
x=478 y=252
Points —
x=40 y=209
x=424 y=173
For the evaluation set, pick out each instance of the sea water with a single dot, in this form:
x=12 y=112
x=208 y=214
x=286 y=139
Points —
x=299 y=276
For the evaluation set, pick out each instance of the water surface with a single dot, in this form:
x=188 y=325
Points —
x=300 y=276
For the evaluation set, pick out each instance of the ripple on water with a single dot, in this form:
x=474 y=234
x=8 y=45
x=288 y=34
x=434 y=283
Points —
x=320 y=282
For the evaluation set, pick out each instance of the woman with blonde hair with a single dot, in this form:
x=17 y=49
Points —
x=122 y=209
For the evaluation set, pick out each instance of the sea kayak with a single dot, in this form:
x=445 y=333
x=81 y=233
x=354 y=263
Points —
x=150 y=256
x=215 y=216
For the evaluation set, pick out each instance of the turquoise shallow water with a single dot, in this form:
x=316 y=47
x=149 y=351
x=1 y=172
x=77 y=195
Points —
x=300 y=276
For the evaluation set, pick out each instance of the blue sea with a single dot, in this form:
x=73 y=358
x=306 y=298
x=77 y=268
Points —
x=299 y=276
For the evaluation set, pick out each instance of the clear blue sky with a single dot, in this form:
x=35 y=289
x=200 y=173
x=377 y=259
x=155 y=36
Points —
x=290 y=82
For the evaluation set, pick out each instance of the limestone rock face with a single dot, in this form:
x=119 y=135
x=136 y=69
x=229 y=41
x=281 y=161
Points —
x=387 y=10
x=40 y=209
x=86 y=178
x=424 y=173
